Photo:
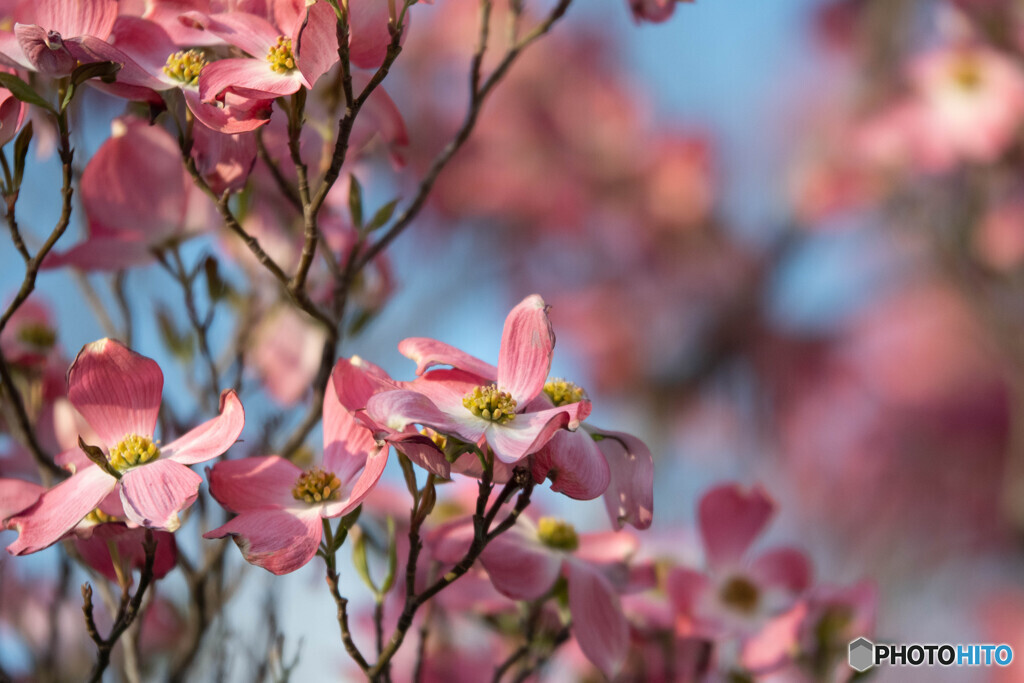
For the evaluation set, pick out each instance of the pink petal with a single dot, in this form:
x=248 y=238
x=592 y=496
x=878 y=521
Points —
x=527 y=343
x=276 y=540
x=35 y=43
x=250 y=78
x=575 y=464
x=11 y=53
x=429 y=352
x=12 y=113
x=519 y=566
x=347 y=444
x=213 y=437
x=95 y=551
x=95 y=50
x=253 y=483
x=316 y=43
x=786 y=568
x=72 y=18
x=224 y=161
x=17 y=495
x=153 y=494
x=630 y=495
x=59 y=510
x=397 y=409
x=103 y=253
x=248 y=32
x=356 y=380
x=116 y=390
x=231 y=119
x=368 y=42
x=686 y=588
x=730 y=519
x=364 y=484
x=380 y=117
x=528 y=432
x=607 y=547
x=598 y=622
x=423 y=451
x=145 y=42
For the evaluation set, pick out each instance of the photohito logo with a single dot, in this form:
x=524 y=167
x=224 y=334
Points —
x=864 y=654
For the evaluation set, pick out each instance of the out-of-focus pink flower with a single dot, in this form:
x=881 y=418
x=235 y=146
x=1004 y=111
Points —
x=30 y=336
x=504 y=413
x=280 y=507
x=95 y=550
x=653 y=10
x=738 y=594
x=12 y=114
x=525 y=562
x=286 y=354
x=998 y=241
x=118 y=392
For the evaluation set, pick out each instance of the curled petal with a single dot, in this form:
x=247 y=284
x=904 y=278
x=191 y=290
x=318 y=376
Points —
x=630 y=495
x=429 y=352
x=599 y=623
x=253 y=483
x=575 y=465
x=398 y=409
x=250 y=78
x=58 y=510
x=211 y=438
x=527 y=343
x=316 y=42
x=730 y=519
x=362 y=487
x=528 y=432
x=356 y=380
x=276 y=540
x=153 y=494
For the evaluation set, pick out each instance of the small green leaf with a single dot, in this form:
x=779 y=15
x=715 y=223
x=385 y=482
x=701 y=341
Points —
x=21 y=145
x=105 y=71
x=389 y=580
x=23 y=91
x=98 y=457
x=382 y=216
x=355 y=201
x=361 y=564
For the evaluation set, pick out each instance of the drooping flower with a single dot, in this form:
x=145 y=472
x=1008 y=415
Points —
x=504 y=413
x=50 y=43
x=118 y=391
x=280 y=506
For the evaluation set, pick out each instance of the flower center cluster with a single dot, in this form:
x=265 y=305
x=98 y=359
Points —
x=98 y=516
x=185 y=66
x=316 y=486
x=37 y=335
x=133 y=450
x=563 y=393
x=440 y=440
x=491 y=404
x=280 y=56
x=557 y=534
x=740 y=594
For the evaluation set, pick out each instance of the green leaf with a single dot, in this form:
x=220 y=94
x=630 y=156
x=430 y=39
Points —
x=98 y=457
x=178 y=344
x=389 y=580
x=23 y=91
x=361 y=564
x=355 y=201
x=382 y=216
x=105 y=71
x=21 y=145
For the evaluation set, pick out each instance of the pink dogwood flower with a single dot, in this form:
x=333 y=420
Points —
x=50 y=43
x=280 y=506
x=503 y=413
x=525 y=562
x=30 y=336
x=737 y=595
x=118 y=391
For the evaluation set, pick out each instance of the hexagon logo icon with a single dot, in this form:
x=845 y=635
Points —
x=862 y=654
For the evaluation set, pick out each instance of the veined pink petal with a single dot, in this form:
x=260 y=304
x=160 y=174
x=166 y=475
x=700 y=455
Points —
x=44 y=50
x=116 y=390
x=17 y=495
x=356 y=380
x=446 y=388
x=347 y=444
x=276 y=540
x=153 y=494
x=397 y=409
x=520 y=567
x=575 y=464
x=250 y=78
x=72 y=18
x=786 y=568
x=224 y=160
x=211 y=438
x=598 y=622
x=253 y=483
x=450 y=541
x=91 y=49
x=58 y=510
x=368 y=21
x=144 y=41
x=527 y=343
x=423 y=451
x=607 y=547
x=11 y=53
x=248 y=32
x=428 y=352
x=12 y=113
x=630 y=495
x=730 y=519
x=230 y=119
x=96 y=553
x=316 y=42
x=686 y=588
x=364 y=484
x=528 y=432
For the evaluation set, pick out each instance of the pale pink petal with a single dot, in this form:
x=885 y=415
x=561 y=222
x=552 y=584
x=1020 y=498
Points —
x=153 y=494
x=574 y=464
x=362 y=487
x=630 y=495
x=607 y=547
x=116 y=390
x=774 y=644
x=380 y=117
x=446 y=388
x=58 y=510
x=211 y=438
x=686 y=589
x=429 y=352
x=356 y=380
x=250 y=78
x=316 y=44
x=12 y=113
x=528 y=432
x=248 y=32
x=144 y=41
x=72 y=18
x=46 y=52
x=527 y=343
x=730 y=519
x=11 y=53
x=347 y=444
x=276 y=540
x=103 y=253
x=397 y=409
x=598 y=622
x=521 y=567
x=17 y=495
x=223 y=160
x=95 y=50
x=786 y=568
x=254 y=483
